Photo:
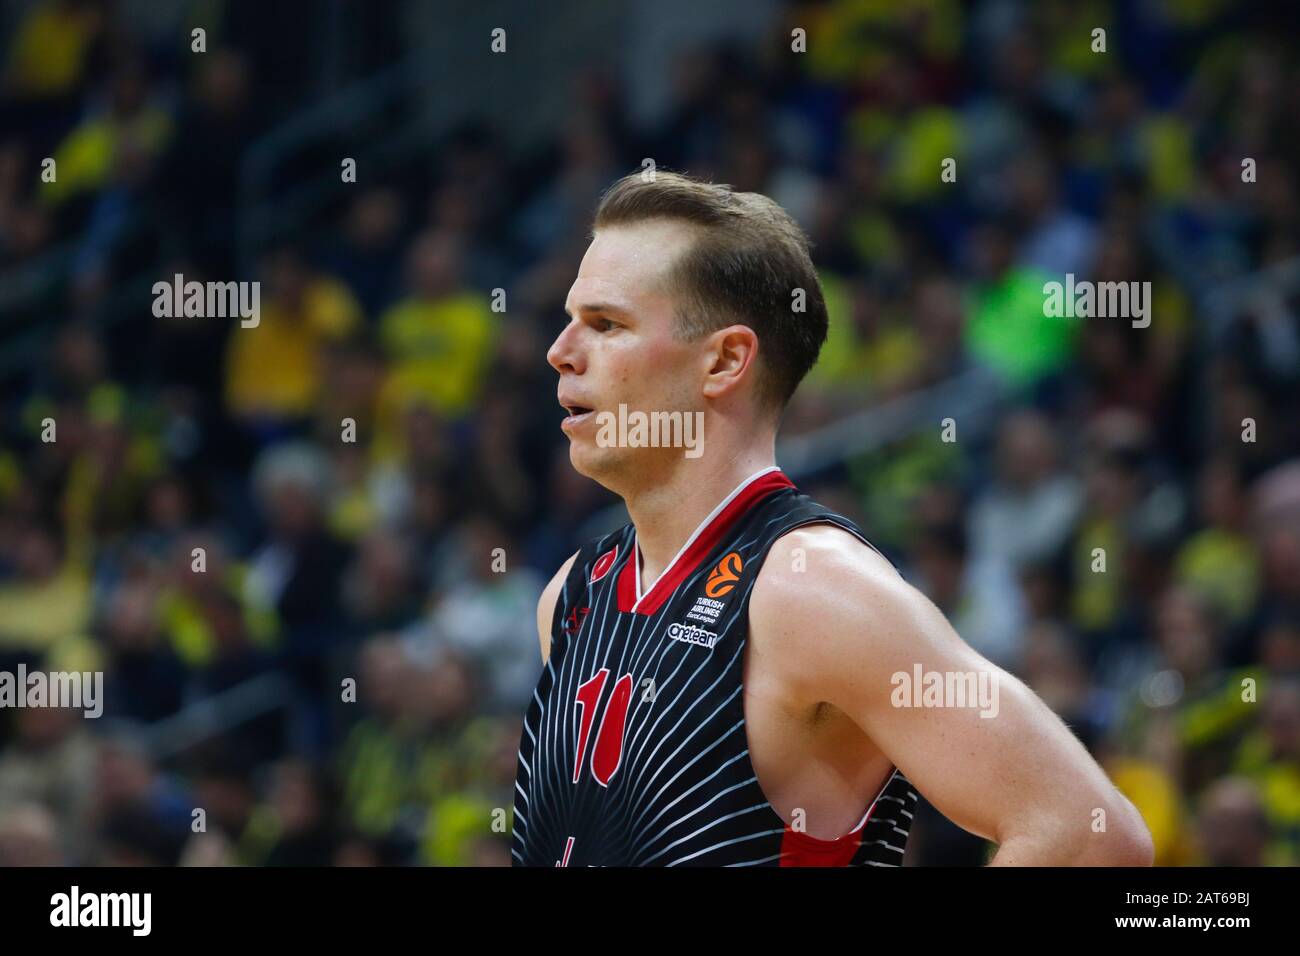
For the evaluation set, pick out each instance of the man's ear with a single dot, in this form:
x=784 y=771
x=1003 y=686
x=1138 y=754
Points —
x=731 y=354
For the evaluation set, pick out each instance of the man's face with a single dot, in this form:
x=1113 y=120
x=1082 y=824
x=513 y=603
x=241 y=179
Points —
x=619 y=348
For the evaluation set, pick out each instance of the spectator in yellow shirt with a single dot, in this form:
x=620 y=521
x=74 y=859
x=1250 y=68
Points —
x=273 y=369
x=47 y=600
x=439 y=338
x=1270 y=758
x=116 y=145
x=51 y=47
x=1220 y=560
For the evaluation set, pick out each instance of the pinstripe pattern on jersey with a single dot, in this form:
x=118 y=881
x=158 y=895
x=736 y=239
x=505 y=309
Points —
x=684 y=791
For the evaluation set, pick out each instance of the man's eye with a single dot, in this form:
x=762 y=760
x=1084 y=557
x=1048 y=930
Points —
x=604 y=325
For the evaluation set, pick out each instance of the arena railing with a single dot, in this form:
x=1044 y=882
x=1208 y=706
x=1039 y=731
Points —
x=437 y=86
x=216 y=715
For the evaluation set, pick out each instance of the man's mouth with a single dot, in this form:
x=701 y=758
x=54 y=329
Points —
x=577 y=414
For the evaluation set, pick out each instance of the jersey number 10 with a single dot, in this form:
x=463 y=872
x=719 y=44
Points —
x=608 y=750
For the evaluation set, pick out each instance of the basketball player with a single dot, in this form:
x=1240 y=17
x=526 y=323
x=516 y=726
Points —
x=722 y=675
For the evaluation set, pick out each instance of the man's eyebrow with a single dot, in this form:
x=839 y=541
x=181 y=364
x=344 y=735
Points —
x=596 y=307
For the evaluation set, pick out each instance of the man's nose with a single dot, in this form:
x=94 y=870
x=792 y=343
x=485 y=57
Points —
x=564 y=354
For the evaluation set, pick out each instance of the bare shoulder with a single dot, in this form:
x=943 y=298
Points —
x=826 y=605
x=546 y=604
x=823 y=566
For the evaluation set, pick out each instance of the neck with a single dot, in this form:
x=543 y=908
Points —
x=666 y=514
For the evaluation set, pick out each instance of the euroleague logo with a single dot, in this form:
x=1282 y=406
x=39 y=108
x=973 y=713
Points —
x=723 y=578
x=603 y=564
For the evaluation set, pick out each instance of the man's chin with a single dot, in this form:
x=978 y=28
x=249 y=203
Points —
x=602 y=465
x=588 y=460
x=620 y=470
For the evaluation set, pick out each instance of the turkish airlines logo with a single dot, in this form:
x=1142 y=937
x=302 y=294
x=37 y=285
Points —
x=603 y=564
x=723 y=578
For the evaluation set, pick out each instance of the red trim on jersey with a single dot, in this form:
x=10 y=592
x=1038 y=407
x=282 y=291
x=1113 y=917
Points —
x=625 y=585
x=707 y=540
x=800 y=849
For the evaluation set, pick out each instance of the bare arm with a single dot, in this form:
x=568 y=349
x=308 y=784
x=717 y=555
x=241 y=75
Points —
x=546 y=605
x=848 y=626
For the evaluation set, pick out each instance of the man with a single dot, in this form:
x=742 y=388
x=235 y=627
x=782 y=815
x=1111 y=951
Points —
x=722 y=676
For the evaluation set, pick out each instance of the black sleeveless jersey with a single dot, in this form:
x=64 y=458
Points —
x=634 y=750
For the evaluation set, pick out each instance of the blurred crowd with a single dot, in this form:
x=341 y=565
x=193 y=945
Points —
x=327 y=644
